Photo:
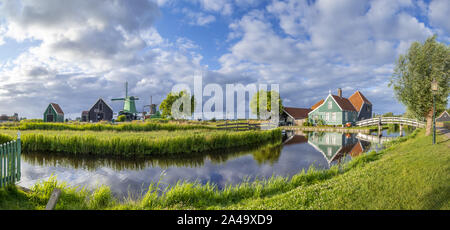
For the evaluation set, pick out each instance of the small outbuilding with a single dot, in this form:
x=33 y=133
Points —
x=53 y=113
x=85 y=116
x=100 y=111
x=444 y=117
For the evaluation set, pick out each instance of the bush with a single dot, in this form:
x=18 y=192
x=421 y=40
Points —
x=121 y=118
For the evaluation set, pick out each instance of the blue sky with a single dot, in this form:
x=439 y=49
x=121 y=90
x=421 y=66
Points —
x=51 y=53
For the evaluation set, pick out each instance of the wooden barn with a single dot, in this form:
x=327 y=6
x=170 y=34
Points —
x=100 y=111
x=53 y=113
x=444 y=117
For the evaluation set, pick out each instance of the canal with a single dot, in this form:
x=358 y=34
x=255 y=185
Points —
x=131 y=177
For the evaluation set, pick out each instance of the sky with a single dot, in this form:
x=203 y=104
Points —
x=74 y=52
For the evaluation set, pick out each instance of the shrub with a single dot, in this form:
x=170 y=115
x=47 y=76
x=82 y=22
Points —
x=121 y=118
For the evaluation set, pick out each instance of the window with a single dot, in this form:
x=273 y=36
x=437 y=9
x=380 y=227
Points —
x=49 y=109
x=345 y=116
x=100 y=106
x=327 y=116
x=333 y=116
x=330 y=105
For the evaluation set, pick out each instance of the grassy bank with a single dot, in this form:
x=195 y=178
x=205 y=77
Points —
x=120 y=127
x=410 y=174
x=140 y=143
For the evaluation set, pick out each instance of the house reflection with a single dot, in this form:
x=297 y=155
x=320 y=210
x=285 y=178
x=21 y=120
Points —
x=337 y=147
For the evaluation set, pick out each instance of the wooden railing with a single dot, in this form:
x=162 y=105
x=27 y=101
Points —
x=245 y=126
x=10 y=162
x=391 y=120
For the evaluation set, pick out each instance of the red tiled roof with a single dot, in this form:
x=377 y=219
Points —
x=57 y=108
x=357 y=99
x=344 y=103
x=297 y=113
x=85 y=112
x=317 y=104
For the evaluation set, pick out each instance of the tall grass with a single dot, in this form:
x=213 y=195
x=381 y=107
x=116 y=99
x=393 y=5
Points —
x=5 y=138
x=140 y=144
x=129 y=126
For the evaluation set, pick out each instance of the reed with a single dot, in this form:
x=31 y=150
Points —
x=124 y=127
x=5 y=138
x=161 y=143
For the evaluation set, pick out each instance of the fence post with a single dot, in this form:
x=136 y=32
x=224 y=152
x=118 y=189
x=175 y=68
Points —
x=1 y=166
x=19 y=152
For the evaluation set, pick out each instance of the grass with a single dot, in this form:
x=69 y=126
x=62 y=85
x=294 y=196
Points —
x=120 y=127
x=410 y=174
x=140 y=143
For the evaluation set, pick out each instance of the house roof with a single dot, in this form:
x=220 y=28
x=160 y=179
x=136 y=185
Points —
x=297 y=113
x=443 y=117
x=358 y=99
x=85 y=112
x=296 y=139
x=100 y=99
x=57 y=108
x=317 y=104
x=344 y=103
x=357 y=150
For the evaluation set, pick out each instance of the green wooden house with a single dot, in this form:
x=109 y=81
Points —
x=53 y=113
x=334 y=110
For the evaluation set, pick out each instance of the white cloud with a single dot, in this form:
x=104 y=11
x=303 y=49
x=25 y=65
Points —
x=439 y=14
x=198 y=18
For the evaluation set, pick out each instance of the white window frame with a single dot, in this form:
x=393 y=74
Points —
x=330 y=105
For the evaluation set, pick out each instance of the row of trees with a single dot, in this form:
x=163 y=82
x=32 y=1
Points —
x=255 y=103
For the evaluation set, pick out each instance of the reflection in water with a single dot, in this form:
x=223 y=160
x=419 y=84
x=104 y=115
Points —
x=265 y=154
x=299 y=152
x=336 y=147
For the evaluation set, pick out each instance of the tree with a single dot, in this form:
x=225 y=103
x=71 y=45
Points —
x=171 y=98
x=266 y=101
x=413 y=75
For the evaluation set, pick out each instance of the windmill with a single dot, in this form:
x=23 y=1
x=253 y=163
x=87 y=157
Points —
x=129 y=105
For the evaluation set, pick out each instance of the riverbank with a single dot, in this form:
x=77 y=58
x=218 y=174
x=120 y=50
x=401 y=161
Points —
x=155 y=143
x=411 y=174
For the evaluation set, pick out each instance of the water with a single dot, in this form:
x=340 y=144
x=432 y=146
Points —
x=299 y=152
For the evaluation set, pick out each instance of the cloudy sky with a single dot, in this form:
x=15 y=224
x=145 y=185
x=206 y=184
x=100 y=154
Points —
x=74 y=52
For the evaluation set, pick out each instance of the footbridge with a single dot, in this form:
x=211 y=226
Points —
x=391 y=120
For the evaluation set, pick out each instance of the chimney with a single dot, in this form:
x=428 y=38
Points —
x=340 y=92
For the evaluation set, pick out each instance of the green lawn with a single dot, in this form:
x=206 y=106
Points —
x=412 y=174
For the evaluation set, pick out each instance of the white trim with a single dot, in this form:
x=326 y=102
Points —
x=54 y=109
x=442 y=114
x=329 y=95
x=288 y=114
x=103 y=103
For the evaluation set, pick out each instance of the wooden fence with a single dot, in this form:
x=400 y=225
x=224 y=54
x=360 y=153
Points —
x=10 y=162
x=245 y=126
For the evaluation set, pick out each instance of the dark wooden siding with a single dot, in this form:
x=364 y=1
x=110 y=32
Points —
x=100 y=112
x=365 y=112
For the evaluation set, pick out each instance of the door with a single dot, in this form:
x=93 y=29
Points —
x=50 y=118
x=100 y=117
